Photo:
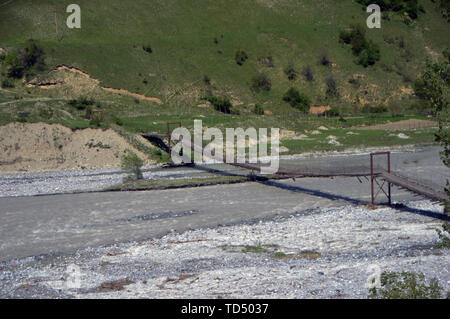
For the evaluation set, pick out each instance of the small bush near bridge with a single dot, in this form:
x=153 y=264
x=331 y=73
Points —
x=132 y=164
x=406 y=285
x=444 y=235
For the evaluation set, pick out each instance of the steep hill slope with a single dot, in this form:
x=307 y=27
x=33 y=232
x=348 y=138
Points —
x=195 y=41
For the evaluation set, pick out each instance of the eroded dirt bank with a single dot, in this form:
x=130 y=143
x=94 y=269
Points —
x=33 y=147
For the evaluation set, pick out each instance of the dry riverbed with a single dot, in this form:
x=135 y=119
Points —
x=316 y=253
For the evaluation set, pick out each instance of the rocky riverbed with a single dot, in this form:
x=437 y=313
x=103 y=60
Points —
x=316 y=253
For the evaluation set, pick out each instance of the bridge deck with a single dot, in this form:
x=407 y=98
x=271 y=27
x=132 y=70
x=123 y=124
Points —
x=415 y=187
x=430 y=192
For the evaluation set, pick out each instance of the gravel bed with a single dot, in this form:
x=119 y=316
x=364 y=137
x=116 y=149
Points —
x=57 y=182
x=318 y=253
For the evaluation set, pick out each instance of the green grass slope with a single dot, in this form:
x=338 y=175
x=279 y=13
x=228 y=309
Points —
x=182 y=37
x=193 y=39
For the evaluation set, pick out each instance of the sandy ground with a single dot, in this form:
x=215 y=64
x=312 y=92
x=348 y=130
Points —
x=32 y=147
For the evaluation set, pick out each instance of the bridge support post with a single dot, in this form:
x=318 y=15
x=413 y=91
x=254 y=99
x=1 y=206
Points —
x=373 y=178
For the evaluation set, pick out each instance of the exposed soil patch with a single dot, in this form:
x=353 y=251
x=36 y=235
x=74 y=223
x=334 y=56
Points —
x=74 y=80
x=135 y=95
x=114 y=285
x=30 y=147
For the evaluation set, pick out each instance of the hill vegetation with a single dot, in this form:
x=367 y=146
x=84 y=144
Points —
x=254 y=63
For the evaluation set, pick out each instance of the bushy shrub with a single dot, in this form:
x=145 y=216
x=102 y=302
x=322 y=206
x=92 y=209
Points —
x=444 y=6
x=410 y=7
x=375 y=109
x=355 y=83
x=332 y=90
x=444 y=235
x=117 y=120
x=308 y=73
x=406 y=285
x=206 y=80
x=33 y=55
x=297 y=100
x=95 y=122
x=290 y=72
x=7 y=83
x=240 y=57
x=421 y=106
x=324 y=58
x=81 y=103
x=366 y=51
x=258 y=109
x=221 y=104
x=420 y=89
x=333 y=112
x=369 y=55
x=23 y=60
x=147 y=48
x=132 y=164
x=46 y=113
x=15 y=68
x=261 y=82
x=266 y=61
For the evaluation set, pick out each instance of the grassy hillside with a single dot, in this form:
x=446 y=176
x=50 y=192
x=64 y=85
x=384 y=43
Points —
x=182 y=37
x=193 y=47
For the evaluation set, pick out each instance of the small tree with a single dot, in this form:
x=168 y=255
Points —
x=432 y=86
x=324 y=57
x=308 y=73
x=15 y=68
x=297 y=100
x=366 y=51
x=333 y=112
x=206 y=80
x=444 y=235
x=7 y=83
x=258 y=109
x=147 y=48
x=221 y=104
x=22 y=60
x=261 y=82
x=369 y=55
x=332 y=90
x=132 y=164
x=290 y=72
x=240 y=57
x=33 y=55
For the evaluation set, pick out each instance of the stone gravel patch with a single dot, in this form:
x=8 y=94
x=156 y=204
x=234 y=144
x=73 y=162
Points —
x=324 y=253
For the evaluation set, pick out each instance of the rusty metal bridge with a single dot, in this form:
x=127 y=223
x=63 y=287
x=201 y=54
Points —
x=381 y=178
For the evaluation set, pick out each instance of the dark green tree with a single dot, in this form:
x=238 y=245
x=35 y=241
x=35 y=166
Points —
x=433 y=86
x=297 y=100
